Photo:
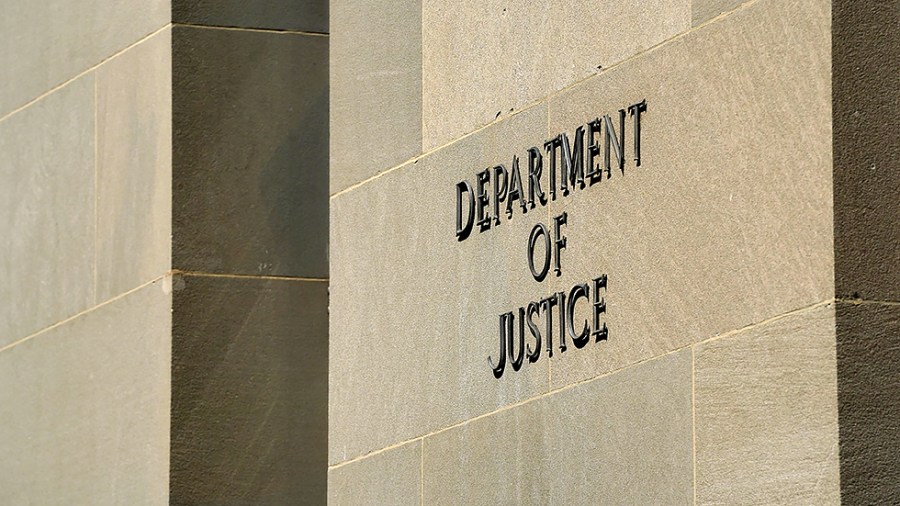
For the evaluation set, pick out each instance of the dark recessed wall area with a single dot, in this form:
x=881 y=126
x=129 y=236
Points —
x=250 y=252
x=866 y=122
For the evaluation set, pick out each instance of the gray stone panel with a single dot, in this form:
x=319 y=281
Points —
x=392 y=477
x=414 y=312
x=622 y=439
x=85 y=407
x=485 y=58
x=250 y=161
x=376 y=87
x=134 y=167
x=302 y=15
x=766 y=413
x=727 y=222
x=868 y=354
x=47 y=214
x=49 y=42
x=866 y=108
x=249 y=391
x=704 y=10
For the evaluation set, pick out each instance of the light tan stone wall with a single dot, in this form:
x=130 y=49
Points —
x=718 y=381
x=85 y=213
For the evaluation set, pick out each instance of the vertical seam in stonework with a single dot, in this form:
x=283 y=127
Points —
x=694 y=420
x=422 y=472
x=96 y=279
x=422 y=76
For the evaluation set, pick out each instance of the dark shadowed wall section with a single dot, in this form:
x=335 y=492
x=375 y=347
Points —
x=250 y=233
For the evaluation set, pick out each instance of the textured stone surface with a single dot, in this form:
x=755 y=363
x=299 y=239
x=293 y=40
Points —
x=249 y=391
x=46 y=43
x=85 y=407
x=250 y=161
x=483 y=58
x=47 y=211
x=866 y=103
x=392 y=477
x=134 y=167
x=303 y=15
x=414 y=313
x=621 y=439
x=727 y=221
x=766 y=413
x=376 y=87
x=704 y=10
x=868 y=354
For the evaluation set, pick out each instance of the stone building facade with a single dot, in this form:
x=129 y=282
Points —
x=432 y=252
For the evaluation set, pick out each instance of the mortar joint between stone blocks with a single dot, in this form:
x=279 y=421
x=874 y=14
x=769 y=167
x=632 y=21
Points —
x=83 y=73
x=82 y=313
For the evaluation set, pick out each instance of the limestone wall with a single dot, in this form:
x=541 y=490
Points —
x=85 y=213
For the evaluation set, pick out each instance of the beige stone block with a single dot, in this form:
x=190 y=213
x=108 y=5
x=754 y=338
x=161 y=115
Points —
x=391 y=477
x=47 y=214
x=728 y=219
x=704 y=10
x=500 y=459
x=625 y=438
x=250 y=152
x=766 y=413
x=46 y=43
x=414 y=314
x=249 y=391
x=85 y=407
x=376 y=87
x=134 y=167
x=483 y=59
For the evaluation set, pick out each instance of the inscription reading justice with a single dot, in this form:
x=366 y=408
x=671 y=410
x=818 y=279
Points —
x=483 y=206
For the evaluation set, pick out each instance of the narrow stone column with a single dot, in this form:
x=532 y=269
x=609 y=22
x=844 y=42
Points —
x=250 y=232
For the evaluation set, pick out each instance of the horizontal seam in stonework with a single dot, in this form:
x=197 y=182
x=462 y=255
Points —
x=253 y=29
x=379 y=451
x=176 y=272
x=547 y=98
x=82 y=73
x=863 y=302
x=82 y=313
x=793 y=312
x=432 y=151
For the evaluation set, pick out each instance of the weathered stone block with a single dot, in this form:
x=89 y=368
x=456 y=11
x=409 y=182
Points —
x=376 y=88
x=48 y=197
x=134 y=168
x=250 y=160
x=766 y=413
x=391 y=477
x=85 y=407
x=728 y=219
x=621 y=439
